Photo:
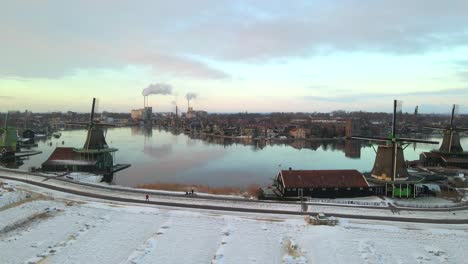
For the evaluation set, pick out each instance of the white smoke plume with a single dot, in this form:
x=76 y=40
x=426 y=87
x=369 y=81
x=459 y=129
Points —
x=157 y=88
x=191 y=96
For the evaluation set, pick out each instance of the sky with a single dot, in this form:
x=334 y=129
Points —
x=236 y=56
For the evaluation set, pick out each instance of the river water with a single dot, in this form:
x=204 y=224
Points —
x=160 y=156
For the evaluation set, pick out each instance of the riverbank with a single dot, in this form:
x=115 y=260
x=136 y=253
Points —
x=251 y=191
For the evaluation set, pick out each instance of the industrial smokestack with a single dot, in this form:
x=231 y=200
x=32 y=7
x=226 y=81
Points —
x=190 y=96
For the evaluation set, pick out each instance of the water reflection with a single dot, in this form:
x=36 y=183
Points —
x=351 y=148
x=157 y=151
x=173 y=157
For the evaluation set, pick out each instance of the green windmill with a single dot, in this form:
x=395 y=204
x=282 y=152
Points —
x=9 y=141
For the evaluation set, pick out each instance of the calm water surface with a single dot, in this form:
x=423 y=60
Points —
x=161 y=156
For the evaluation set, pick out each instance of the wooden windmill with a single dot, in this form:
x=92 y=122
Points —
x=95 y=139
x=8 y=142
x=451 y=141
x=95 y=156
x=390 y=162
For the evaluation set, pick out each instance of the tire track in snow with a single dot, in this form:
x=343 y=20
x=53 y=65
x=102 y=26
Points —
x=149 y=245
x=368 y=252
x=226 y=232
x=57 y=247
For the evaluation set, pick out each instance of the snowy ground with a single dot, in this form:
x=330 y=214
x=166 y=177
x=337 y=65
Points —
x=52 y=227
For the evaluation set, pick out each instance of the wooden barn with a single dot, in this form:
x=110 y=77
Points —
x=323 y=183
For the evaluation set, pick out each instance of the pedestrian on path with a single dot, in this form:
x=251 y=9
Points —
x=147 y=197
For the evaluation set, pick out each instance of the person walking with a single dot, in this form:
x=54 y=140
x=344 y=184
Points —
x=147 y=197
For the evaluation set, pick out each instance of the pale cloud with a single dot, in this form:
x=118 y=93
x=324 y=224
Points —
x=342 y=98
x=52 y=38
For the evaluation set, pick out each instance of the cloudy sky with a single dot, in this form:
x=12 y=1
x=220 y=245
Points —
x=256 y=56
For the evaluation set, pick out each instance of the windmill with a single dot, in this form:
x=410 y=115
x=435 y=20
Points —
x=96 y=138
x=8 y=143
x=451 y=141
x=389 y=163
x=95 y=156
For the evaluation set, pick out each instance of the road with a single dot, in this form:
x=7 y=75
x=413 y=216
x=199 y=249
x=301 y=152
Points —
x=117 y=198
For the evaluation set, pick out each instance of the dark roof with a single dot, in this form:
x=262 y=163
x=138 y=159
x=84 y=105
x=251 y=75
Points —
x=63 y=154
x=449 y=159
x=67 y=156
x=431 y=154
x=322 y=178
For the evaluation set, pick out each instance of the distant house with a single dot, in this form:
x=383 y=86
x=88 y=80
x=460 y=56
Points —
x=298 y=133
x=323 y=183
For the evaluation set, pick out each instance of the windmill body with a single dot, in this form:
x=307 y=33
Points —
x=382 y=169
x=451 y=142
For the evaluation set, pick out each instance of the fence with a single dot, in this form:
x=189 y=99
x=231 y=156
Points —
x=350 y=202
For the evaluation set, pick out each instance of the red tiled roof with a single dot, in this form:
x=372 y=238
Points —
x=322 y=178
x=64 y=156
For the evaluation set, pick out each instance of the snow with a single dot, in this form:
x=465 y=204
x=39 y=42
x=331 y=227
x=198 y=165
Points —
x=63 y=228
x=425 y=202
x=43 y=226
x=85 y=177
x=9 y=194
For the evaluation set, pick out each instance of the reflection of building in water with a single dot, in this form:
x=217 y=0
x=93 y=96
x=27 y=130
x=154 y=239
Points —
x=145 y=131
x=298 y=144
x=352 y=149
x=259 y=144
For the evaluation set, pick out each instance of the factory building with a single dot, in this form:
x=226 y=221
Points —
x=144 y=114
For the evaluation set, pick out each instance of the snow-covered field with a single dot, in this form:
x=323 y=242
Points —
x=52 y=227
